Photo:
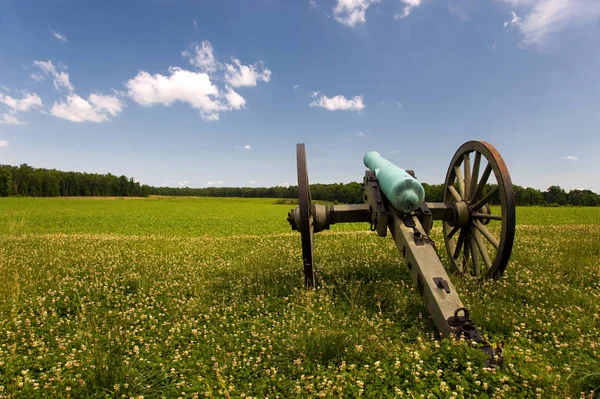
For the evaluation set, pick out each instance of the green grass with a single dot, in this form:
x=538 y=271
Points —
x=202 y=297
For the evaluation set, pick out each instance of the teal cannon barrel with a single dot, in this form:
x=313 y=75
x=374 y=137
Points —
x=404 y=192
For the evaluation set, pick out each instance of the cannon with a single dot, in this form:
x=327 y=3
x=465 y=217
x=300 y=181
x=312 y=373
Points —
x=478 y=241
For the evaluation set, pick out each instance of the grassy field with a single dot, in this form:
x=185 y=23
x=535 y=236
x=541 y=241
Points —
x=202 y=297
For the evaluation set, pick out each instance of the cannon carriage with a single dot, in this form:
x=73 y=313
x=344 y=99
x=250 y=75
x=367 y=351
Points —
x=478 y=242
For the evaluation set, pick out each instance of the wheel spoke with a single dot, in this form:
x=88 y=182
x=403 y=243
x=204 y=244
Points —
x=467 y=160
x=478 y=177
x=454 y=193
x=459 y=243
x=452 y=232
x=485 y=199
x=461 y=181
x=473 y=247
x=474 y=175
x=484 y=178
x=484 y=253
x=465 y=260
x=486 y=233
x=487 y=216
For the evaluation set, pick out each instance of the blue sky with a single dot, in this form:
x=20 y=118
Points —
x=200 y=93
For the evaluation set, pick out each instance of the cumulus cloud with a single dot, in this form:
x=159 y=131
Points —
x=202 y=56
x=199 y=88
x=24 y=104
x=339 y=103
x=214 y=183
x=408 y=6
x=245 y=147
x=312 y=3
x=351 y=12
x=234 y=100
x=571 y=158
x=10 y=119
x=296 y=86
x=542 y=19
x=314 y=94
x=238 y=75
x=252 y=181
x=97 y=108
x=183 y=183
x=106 y=104
x=59 y=77
x=194 y=88
x=16 y=105
x=364 y=134
x=4 y=143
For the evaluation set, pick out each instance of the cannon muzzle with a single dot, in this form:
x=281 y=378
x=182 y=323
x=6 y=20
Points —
x=404 y=192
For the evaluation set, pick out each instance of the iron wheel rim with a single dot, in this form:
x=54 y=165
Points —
x=474 y=237
x=306 y=217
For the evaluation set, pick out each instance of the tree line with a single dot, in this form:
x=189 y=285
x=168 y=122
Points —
x=28 y=181
x=25 y=180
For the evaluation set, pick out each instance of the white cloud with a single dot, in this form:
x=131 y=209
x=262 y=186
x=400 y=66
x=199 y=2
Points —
x=202 y=56
x=514 y=21
x=96 y=109
x=252 y=181
x=408 y=6
x=339 y=103
x=60 y=78
x=364 y=134
x=234 y=100
x=296 y=86
x=59 y=36
x=314 y=94
x=183 y=183
x=400 y=105
x=571 y=158
x=195 y=24
x=246 y=75
x=106 y=104
x=189 y=87
x=351 y=12
x=312 y=3
x=284 y=184
x=4 y=143
x=10 y=119
x=247 y=147
x=544 y=18
x=16 y=105
x=214 y=183
x=199 y=89
x=24 y=104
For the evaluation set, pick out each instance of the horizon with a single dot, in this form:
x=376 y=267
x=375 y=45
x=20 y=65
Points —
x=175 y=93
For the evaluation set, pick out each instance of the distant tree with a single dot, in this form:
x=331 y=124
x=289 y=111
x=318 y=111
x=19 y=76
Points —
x=555 y=195
x=6 y=183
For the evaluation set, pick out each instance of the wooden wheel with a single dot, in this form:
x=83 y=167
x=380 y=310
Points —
x=306 y=217
x=479 y=242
